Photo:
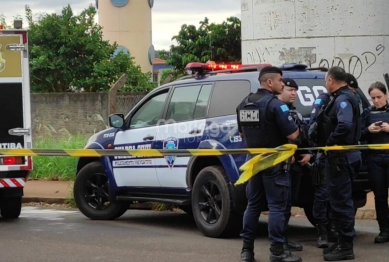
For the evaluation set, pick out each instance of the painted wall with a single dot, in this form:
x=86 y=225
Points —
x=353 y=34
x=130 y=26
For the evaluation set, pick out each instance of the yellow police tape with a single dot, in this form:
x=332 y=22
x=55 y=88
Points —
x=266 y=157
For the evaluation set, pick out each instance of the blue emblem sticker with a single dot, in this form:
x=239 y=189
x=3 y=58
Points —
x=170 y=143
x=318 y=101
x=343 y=105
x=284 y=108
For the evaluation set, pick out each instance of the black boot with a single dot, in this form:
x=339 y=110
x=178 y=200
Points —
x=279 y=254
x=292 y=245
x=340 y=251
x=247 y=254
x=383 y=236
x=332 y=232
x=322 y=237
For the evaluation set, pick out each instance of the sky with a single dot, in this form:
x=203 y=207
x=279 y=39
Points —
x=167 y=15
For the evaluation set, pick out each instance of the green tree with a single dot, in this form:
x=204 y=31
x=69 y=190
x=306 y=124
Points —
x=67 y=53
x=216 y=42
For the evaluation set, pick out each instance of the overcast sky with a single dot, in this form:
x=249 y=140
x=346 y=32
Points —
x=168 y=15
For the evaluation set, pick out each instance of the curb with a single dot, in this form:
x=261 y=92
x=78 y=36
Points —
x=61 y=201
x=47 y=200
x=362 y=213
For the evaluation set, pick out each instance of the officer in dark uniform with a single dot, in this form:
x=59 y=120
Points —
x=376 y=131
x=353 y=85
x=288 y=96
x=326 y=229
x=265 y=122
x=341 y=125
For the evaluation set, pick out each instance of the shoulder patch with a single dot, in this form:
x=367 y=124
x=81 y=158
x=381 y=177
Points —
x=343 y=105
x=318 y=101
x=284 y=108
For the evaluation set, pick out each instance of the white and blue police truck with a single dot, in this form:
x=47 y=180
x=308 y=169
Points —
x=197 y=111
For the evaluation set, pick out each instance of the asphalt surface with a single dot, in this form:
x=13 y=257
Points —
x=43 y=234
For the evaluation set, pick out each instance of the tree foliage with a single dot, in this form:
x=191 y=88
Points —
x=67 y=53
x=216 y=42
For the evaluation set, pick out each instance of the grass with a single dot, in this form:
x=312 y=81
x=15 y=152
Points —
x=56 y=167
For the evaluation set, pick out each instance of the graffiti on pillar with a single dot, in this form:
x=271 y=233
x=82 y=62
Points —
x=244 y=5
x=258 y=55
x=301 y=55
x=355 y=64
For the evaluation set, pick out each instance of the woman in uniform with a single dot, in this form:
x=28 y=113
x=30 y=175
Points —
x=376 y=131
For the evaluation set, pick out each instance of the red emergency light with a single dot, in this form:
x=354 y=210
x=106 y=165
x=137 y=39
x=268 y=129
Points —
x=201 y=67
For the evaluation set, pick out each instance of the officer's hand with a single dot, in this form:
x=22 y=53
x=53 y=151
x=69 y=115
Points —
x=384 y=127
x=292 y=160
x=306 y=158
x=376 y=129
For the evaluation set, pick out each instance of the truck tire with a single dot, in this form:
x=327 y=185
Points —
x=212 y=204
x=11 y=207
x=91 y=194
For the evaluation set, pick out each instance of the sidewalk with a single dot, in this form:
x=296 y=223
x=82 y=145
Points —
x=56 y=192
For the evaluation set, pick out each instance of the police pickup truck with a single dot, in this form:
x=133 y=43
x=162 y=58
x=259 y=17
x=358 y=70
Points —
x=15 y=118
x=194 y=112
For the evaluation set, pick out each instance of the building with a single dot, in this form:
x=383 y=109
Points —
x=158 y=66
x=353 y=34
x=128 y=22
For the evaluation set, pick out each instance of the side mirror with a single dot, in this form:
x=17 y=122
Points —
x=116 y=120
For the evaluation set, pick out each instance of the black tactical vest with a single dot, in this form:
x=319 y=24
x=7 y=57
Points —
x=258 y=130
x=328 y=120
x=376 y=116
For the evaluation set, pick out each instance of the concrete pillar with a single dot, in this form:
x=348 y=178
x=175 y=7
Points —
x=353 y=34
x=128 y=22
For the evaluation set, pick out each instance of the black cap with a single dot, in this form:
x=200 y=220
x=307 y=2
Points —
x=269 y=69
x=290 y=82
x=351 y=81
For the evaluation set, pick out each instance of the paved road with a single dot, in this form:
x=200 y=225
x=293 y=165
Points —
x=43 y=234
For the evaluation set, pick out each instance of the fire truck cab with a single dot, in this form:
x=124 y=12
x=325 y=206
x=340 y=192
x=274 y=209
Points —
x=15 y=118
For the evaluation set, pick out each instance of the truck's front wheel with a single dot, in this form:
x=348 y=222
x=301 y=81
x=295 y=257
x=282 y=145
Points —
x=91 y=194
x=11 y=207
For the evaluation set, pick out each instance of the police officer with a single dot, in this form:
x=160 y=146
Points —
x=376 y=131
x=265 y=122
x=288 y=96
x=341 y=125
x=326 y=229
x=353 y=85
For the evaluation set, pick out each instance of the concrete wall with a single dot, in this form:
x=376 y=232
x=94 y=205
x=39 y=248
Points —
x=351 y=33
x=61 y=114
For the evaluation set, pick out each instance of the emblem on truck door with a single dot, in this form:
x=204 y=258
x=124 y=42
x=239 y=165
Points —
x=170 y=143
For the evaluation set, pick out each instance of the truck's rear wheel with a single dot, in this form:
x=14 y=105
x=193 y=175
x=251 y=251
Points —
x=212 y=204
x=11 y=207
x=91 y=194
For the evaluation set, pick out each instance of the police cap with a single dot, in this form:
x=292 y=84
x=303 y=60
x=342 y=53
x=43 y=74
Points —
x=290 y=82
x=351 y=81
x=269 y=69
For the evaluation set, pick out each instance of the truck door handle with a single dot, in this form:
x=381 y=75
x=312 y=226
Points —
x=148 y=138
x=195 y=131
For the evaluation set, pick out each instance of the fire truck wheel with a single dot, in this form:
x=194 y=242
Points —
x=11 y=207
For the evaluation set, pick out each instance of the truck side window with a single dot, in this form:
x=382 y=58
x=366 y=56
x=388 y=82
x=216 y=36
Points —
x=182 y=103
x=150 y=112
x=226 y=96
